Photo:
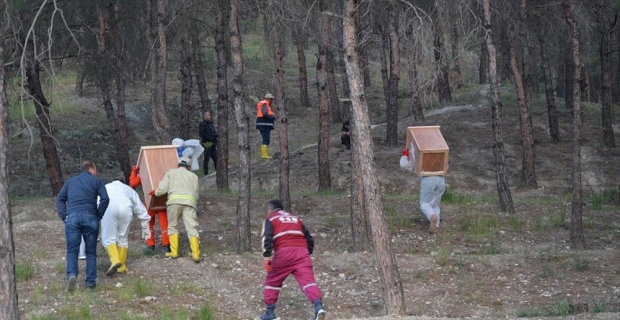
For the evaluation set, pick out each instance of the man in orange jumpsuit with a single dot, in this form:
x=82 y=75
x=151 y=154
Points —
x=134 y=182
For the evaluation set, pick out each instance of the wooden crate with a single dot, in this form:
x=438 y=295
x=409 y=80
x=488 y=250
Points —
x=154 y=162
x=428 y=151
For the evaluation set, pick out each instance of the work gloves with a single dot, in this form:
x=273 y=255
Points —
x=406 y=153
x=208 y=145
x=267 y=265
x=152 y=193
x=146 y=232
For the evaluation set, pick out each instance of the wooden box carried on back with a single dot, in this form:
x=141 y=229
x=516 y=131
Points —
x=428 y=151
x=154 y=162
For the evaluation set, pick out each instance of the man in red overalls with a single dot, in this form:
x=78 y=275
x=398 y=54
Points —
x=287 y=246
x=134 y=182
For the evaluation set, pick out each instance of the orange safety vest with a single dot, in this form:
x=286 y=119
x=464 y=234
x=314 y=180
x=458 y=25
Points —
x=259 y=109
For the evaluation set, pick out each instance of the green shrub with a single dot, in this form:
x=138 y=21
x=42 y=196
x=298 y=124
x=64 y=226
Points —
x=24 y=270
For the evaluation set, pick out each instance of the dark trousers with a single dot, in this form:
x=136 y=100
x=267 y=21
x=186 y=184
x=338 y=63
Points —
x=265 y=133
x=210 y=153
x=346 y=140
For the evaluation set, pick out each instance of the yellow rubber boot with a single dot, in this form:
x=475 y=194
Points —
x=174 y=246
x=194 y=244
x=263 y=151
x=122 y=256
x=114 y=260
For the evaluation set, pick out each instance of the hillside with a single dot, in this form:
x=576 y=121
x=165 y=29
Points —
x=483 y=264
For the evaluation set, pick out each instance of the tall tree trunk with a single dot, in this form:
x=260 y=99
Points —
x=156 y=114
x=412 y=71
x=455 y=38
x=325 y=180
x=386 y=262
x=199 y=69
x=185 y=77
x=552 y=112
x=123 y=147
x=504 y=44
x=81 y=73
x=243 y=201
x=103 y=79
x=285 y=196
x=503 y=190
x=222 y=96
x=483 y=69
x=361 y=232
x=163 y=127
x=346 y=92
x=299 y=38
x=560 y=84
x=50 y=153
x=334 y=102
x=8 y=299
x=443 y=83
x=391 y=138
x=528 y=168
x=570 y=68
x=606 y=96
x=576 y=222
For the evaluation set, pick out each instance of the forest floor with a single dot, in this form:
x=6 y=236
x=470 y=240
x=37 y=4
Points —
x=484 y=264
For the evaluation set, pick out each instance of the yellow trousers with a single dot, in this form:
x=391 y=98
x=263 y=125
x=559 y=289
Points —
x=188 y=214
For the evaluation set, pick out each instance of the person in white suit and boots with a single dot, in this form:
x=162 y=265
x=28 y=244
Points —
x=124 y=202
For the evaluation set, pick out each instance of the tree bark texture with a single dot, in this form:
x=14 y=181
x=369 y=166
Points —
x=346 y=92
x=163 y=126
x=528 y=167
x=199 y=68
x=243 y=135
x=455 y=38
x=503 y=190
x=391 y=138
x=299 y=38
x=8 y=286
x=413 y=48
x=568 y=75
x=365 y=68
x=560 y=84
x=123 y=146
x=285 y=196
x=222 y=96
x=361 y=232
x=386 y=262
x=325 y=180
x=483 y=69
x=576 y=222
x=156 y=114
x=50 y=152
x=443 y=82
x=185 y=77
x=334 y=102
x=552 y=113
x=606 y=95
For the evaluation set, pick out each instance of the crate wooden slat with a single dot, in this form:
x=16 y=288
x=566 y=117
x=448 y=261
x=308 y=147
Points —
x=154 y=162
x=428 y=150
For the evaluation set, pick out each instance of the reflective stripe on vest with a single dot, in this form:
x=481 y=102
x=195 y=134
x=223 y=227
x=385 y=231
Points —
x=181 y=196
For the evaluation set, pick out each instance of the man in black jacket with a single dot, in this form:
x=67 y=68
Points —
x=208 y=137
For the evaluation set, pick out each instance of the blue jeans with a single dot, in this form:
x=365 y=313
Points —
x=77 y=225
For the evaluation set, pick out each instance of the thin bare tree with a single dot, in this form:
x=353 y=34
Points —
x=299 y=37
x=443 y=82
x=163 y=125
x=576 y=223
x=503 y=189
x=528 y=168
x=243 y=135
x=276 y=39
x=221 y=34
x=8 y=299
x=198 y=62
x=373 y=202
x=604 y=28
x=552 y=112
x=325 y=181
x=391 y=138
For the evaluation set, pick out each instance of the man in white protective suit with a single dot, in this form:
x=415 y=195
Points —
x=124 y=202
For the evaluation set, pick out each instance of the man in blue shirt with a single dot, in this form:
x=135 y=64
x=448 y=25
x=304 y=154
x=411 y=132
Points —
x=76 y=204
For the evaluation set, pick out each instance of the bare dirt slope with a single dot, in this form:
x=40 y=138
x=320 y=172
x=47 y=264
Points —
x=484 y=264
